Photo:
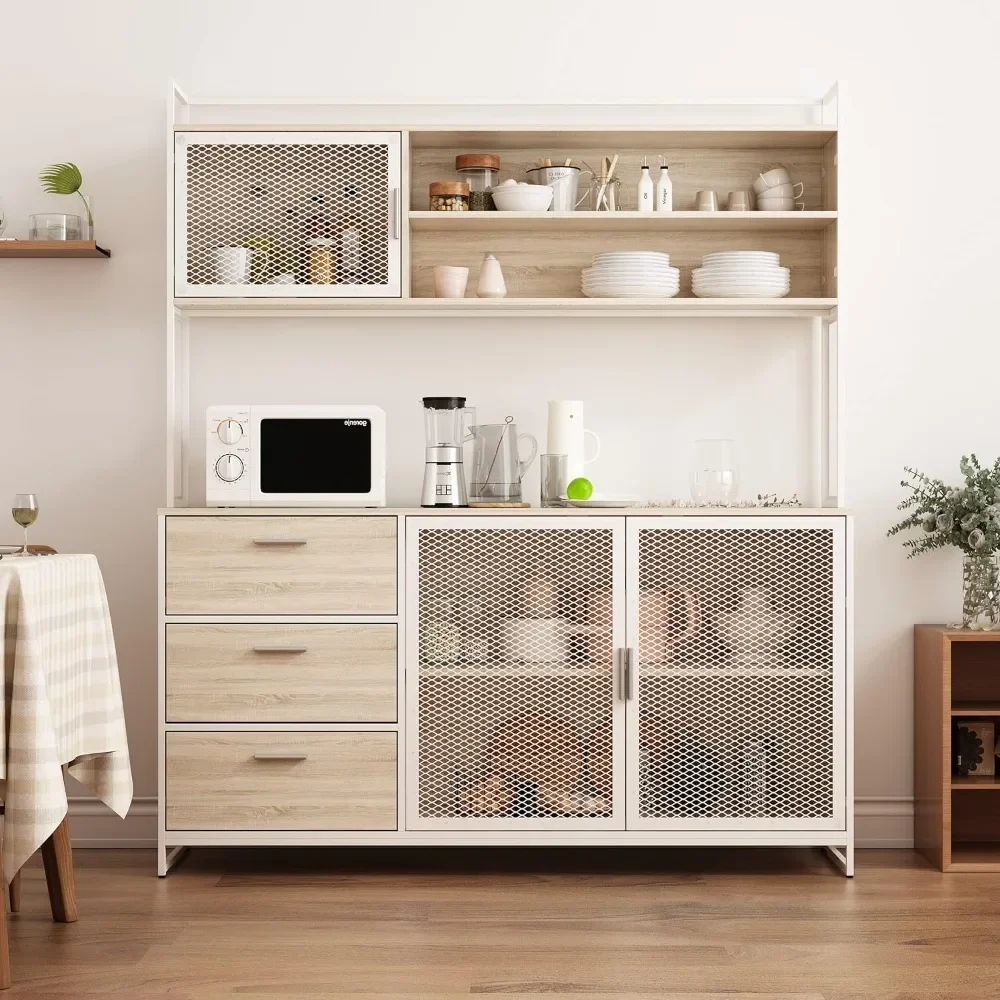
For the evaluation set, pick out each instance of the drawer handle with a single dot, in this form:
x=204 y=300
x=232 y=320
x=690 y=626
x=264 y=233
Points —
x=280 y=755
x=280 y=541
x=281 y=649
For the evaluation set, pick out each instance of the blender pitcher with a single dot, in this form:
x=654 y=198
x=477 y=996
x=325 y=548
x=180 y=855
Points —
x=444 y=474
x=497 y=466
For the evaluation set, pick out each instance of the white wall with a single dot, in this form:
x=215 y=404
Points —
x=81 y=344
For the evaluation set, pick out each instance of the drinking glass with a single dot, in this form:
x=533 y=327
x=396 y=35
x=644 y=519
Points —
x=25 y=511
x=715 y=476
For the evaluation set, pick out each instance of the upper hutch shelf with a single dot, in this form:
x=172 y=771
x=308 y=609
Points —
x=52 y=248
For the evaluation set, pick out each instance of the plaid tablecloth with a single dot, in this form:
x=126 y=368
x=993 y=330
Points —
x=62 y=698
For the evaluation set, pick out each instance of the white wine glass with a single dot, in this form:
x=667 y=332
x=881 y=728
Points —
x=25 y=512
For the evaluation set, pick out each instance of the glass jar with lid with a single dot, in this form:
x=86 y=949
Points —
x=449 y=196
x=481 y=171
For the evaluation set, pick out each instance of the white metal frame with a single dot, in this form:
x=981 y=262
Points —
x=393 y=237
x=412 y=724
x=839 y=802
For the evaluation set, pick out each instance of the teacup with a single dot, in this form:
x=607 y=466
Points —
x=706 y=201
x=784 y=191
x=771 y=178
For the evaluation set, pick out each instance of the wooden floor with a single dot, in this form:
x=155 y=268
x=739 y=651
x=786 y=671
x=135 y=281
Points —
x=545 y=925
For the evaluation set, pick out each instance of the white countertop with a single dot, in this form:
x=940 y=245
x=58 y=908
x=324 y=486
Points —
x=507 y=511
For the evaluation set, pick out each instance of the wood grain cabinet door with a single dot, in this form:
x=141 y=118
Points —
x=281 y=673
x=282 y=565
x=281 y=781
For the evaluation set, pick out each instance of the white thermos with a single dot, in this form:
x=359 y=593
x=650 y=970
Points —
x=566 y=435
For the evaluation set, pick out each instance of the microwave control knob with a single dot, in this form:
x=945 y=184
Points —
x=230 y=431
x=229 y=468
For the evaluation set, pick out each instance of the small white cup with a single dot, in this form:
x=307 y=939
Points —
x=707 y=201
x=784 y=191
x=232 y=265
x=780 y=205
x=450 y=282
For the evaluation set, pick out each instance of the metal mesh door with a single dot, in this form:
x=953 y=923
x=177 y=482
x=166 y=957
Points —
x=739 y=714
x=513 y=700
x=287 y=214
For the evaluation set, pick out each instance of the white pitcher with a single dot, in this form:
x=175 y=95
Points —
x=567 y=434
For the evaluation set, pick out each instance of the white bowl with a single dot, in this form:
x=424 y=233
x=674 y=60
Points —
x=522 y=198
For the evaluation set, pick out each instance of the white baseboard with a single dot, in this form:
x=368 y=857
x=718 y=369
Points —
x=879 y=822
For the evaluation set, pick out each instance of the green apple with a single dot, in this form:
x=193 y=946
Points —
x=580 y=489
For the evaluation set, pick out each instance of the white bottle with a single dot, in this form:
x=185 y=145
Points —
x=664 y=190
x=645 y=195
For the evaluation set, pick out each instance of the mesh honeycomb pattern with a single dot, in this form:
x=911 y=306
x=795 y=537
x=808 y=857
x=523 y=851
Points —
x=516 y=693
x=735 y=680
x=275 y=198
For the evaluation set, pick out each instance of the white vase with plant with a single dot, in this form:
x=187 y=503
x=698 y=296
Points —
x=967 y=517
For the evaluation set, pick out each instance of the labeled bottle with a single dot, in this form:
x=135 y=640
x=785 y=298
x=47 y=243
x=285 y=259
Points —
x=645 y=192
x=664 y=189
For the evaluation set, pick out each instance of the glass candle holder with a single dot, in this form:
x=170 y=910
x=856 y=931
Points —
x=54 y=226
x=715 y=477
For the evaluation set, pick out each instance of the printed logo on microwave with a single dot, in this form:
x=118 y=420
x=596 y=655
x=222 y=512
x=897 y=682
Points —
x=355 y=423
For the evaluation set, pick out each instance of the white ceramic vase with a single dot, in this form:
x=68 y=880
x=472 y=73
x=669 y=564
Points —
x=491 y=284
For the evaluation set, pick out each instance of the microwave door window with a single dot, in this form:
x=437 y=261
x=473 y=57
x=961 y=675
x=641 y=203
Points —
x=315 y=456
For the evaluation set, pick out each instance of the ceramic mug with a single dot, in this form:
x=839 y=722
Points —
x=536 y=640
x=232 y=265
x=707 y=201
x=450 y=282
x=785 y=191
x=739 y=201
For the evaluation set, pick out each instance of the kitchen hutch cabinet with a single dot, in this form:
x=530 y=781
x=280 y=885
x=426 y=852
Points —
x=400 y=676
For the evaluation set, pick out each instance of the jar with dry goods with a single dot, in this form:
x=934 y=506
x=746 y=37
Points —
x=481 y=171
x=322 y=262
x=449 y=196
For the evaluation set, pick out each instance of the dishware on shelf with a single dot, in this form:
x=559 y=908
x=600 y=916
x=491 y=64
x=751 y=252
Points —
x=784 y=191
x=738 y=201
x=566 y=436
x=772 y=178
x=565 y=183
x=232 y=265
x=536 y=640
x=666 y=618
x=449 y=196
x=630 y=274
x=54 y=226
x=491 y=284
x=715 y=477
x=450 y=282
x=24 y=510
x=741 y=274
x=481 y=172
x=553 y=476
x=497 y=466
x=780 y=205
x=522 y=197
x=755 y=630
x=706 y=201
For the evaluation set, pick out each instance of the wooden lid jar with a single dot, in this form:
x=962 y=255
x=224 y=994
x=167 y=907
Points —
x=449 y=196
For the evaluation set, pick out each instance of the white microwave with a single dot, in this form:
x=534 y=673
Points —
x=295 y=456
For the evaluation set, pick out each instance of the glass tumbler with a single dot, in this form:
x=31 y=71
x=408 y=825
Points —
x=555 y=469
x=715 y=475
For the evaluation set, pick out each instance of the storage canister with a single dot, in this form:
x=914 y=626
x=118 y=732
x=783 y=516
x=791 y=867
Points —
x=449 y=196
x=481 y=171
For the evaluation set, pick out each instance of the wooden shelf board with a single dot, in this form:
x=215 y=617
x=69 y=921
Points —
x=974 y=708
x=641 y=222
x=548 y=307
x=496 y=137
x=52 y=248
x=976 y=782
x=975 y=857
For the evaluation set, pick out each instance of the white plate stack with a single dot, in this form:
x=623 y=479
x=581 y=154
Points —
x=631 y=274
x=740 y=274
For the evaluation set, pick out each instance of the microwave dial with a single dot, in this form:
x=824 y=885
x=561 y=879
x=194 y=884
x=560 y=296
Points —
x=230 y=431
x=229 y=468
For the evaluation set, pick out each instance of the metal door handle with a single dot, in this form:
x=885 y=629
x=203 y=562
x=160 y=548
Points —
x=280 y=541
x=280 y=649
x=397 y=212
x=279 y=755
x=621 y=657
x=629 y=673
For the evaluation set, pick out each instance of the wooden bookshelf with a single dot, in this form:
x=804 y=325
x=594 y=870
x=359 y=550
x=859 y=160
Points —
x=956 y=675
x=52 y=248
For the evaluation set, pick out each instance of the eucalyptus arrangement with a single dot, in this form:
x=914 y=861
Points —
x=967 y=517
x=65 y=178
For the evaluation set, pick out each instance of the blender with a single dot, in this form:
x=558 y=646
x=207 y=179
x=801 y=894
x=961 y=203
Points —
x=444 y=475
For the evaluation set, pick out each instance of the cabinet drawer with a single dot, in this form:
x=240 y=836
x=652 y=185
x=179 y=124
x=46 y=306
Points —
x=280 y=565
x=281 y=781
x=281 y=673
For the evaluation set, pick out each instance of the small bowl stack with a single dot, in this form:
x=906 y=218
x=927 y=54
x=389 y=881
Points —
x=631 y=274
x=741 y=274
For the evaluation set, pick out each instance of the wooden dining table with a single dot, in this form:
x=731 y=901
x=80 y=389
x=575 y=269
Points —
x=63 y=712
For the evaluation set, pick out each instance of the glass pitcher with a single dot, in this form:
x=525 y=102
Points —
x=497 y=466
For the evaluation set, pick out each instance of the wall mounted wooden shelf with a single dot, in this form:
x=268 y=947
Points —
x=52 y=248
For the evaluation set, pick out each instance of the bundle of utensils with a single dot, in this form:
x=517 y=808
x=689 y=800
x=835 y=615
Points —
x=739 y=274
x=631 y=274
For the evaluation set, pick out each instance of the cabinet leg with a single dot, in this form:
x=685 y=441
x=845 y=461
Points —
x=57 y=857
x=167 y=859
x=844 y=860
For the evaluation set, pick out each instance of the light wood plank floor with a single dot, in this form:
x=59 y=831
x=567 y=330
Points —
x=545 y=925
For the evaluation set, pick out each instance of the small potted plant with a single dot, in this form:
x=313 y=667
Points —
x=968 y=517
x=65 y=178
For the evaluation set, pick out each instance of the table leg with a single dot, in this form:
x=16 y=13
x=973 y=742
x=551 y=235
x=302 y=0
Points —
x=15 y=893
x=57 y=857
